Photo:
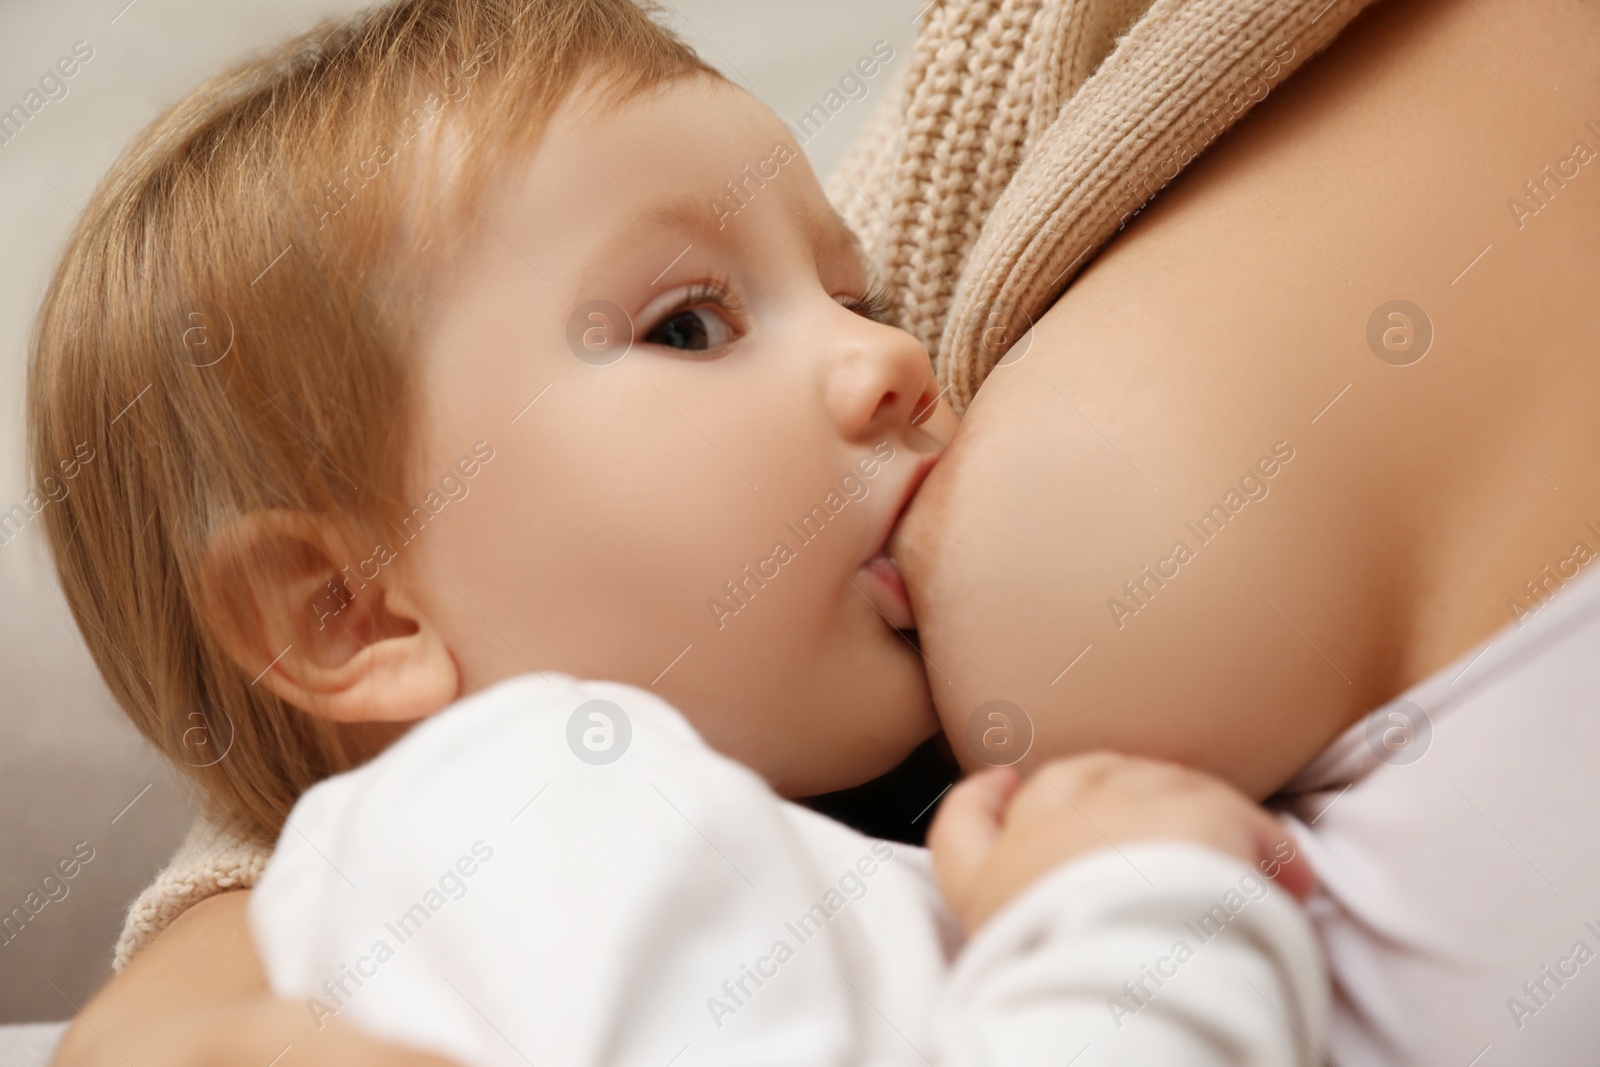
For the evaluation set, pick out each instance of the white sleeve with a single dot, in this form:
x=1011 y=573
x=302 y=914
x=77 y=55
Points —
x=492 y=890
x=1155 y=954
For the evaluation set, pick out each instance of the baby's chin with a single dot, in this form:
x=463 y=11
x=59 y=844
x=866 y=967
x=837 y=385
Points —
x=890 y=714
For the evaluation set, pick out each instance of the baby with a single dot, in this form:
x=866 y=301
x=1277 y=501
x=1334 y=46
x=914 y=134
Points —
x=561 y=871
x=479 y=348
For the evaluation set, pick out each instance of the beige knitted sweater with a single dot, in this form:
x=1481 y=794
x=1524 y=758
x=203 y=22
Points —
x=1018 y=140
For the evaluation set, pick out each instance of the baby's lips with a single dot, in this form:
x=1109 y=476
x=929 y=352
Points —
x=919 y=474
x=906 y=541
x=887 y=591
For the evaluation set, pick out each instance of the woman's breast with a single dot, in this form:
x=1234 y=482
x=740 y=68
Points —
x=1308 y=427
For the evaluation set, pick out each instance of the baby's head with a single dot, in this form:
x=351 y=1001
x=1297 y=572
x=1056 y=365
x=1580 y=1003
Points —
x=348 y=336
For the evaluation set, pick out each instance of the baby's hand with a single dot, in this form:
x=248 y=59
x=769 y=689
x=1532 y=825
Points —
x=991 y=840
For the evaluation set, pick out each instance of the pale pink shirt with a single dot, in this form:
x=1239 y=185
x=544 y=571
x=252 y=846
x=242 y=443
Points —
x=1453 y=831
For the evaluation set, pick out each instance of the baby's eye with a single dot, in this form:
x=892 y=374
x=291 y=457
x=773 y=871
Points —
x=705 y=317
x=877 y=305
x=694 y=329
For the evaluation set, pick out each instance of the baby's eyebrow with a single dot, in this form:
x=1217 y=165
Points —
x=825 y=229
x=829 y=232
x=686 y=212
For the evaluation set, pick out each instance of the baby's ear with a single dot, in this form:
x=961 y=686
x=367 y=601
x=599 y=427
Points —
x=285 y=594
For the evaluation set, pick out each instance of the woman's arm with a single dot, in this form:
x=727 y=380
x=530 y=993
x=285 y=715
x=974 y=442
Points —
x=196 y=997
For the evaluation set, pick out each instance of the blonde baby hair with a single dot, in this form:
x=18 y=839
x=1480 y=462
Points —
x=229 y=332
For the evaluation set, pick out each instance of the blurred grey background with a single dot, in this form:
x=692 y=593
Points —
x=72 y=770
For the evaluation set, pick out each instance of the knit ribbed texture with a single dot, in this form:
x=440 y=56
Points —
x=1019 y=139
x=1015 y=144
x=209 y=862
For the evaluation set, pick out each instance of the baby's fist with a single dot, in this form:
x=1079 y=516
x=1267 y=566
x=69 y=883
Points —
x=992 y=839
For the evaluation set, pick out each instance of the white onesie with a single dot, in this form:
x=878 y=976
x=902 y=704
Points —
x=562 y=872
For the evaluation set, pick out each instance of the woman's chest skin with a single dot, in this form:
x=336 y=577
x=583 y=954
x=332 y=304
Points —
x=1316 y=424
